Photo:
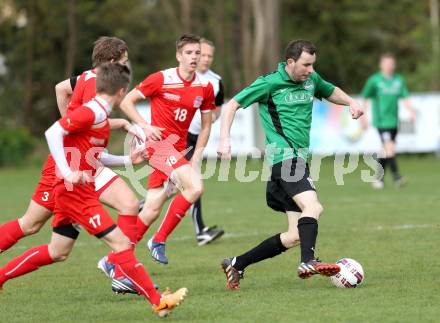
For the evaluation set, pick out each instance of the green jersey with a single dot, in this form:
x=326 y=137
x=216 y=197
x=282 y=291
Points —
x=285 y=109
x=385 y=94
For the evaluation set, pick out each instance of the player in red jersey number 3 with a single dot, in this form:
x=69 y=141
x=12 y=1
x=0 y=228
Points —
x=76 y=143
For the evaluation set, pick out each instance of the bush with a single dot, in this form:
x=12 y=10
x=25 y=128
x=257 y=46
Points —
x=15 y=146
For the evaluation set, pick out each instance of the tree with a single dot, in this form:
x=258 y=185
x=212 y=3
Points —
x=45 y=41
x=434 y=13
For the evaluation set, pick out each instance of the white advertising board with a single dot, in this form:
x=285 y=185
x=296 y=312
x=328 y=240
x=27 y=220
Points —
x=333 y=130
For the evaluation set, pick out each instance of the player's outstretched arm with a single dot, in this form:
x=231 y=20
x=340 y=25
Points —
x=110 y=160
x=216 y=113
x=128 y=107
x=119 y=123
x=224 y=147
x=340 y=97
x=63 y=93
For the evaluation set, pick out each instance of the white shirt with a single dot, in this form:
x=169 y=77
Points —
x=214 y=79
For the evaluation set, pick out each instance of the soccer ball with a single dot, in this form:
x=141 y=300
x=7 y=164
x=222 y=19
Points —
x=351 y=274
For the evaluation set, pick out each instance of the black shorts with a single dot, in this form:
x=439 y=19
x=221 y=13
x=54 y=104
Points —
x=191 y=142
x=388 y=134
x=288 y=178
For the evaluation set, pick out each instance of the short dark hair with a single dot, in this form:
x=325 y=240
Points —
x=295 y=48
x=387 y=55
x=187 y=39
x=111 y=77
x=106 y=49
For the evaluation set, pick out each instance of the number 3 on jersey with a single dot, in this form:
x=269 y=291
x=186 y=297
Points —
x=45 y=197
x=180 y=114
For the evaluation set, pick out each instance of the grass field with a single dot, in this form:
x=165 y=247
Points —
x=394 y=234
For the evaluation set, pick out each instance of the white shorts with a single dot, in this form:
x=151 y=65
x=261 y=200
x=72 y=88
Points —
x=103 y=179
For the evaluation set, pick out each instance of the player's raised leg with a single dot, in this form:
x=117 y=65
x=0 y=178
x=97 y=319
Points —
x=114 y=192
x=31 y=222
x=117 y=194
x=124 y=258
x=308 y=232
x=192 y=188
x=234 y=267
x=57 y=250
x=151 y=209
x=154 y=201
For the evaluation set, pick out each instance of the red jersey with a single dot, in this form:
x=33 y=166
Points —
x=88 y=133
x=174 y=101
x=84 y=91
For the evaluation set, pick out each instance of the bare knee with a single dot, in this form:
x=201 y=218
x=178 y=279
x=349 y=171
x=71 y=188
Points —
x=197 y=192
x=389 y=148
x=290 y=239
x=121 y=244
x=128 y=205
x=193 y=193
x=58 y=255
x=313 y=210
x=149 y=214
x=30 y=226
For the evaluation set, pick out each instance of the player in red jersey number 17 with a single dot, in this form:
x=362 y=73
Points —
x=76 y=143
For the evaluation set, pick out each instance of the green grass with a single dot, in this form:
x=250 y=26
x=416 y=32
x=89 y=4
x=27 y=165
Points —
x=393 y=233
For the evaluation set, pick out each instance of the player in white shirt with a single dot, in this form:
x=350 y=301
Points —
x=205 y=234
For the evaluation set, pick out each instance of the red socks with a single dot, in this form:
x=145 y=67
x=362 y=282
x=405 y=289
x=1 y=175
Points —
x=134 y=270
x=176 y=212
x=29 y=261
x=10 y=233
x=141 y=229
x=127 y=224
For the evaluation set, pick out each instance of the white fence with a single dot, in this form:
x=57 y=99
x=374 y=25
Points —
x=333 y=130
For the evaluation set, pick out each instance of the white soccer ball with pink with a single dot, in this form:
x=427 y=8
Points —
x=351 y=274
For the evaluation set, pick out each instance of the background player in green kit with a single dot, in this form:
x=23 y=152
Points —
x=285 y=100
x=385 y=88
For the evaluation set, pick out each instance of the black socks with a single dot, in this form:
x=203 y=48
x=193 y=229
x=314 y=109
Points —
x=308 y=231
x=197 y=216
x=391 y=161
x=269 y=248
x=394 y=169
x=383 y=163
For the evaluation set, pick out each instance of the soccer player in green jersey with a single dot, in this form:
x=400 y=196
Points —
x=385 y=88
x=285 y=100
